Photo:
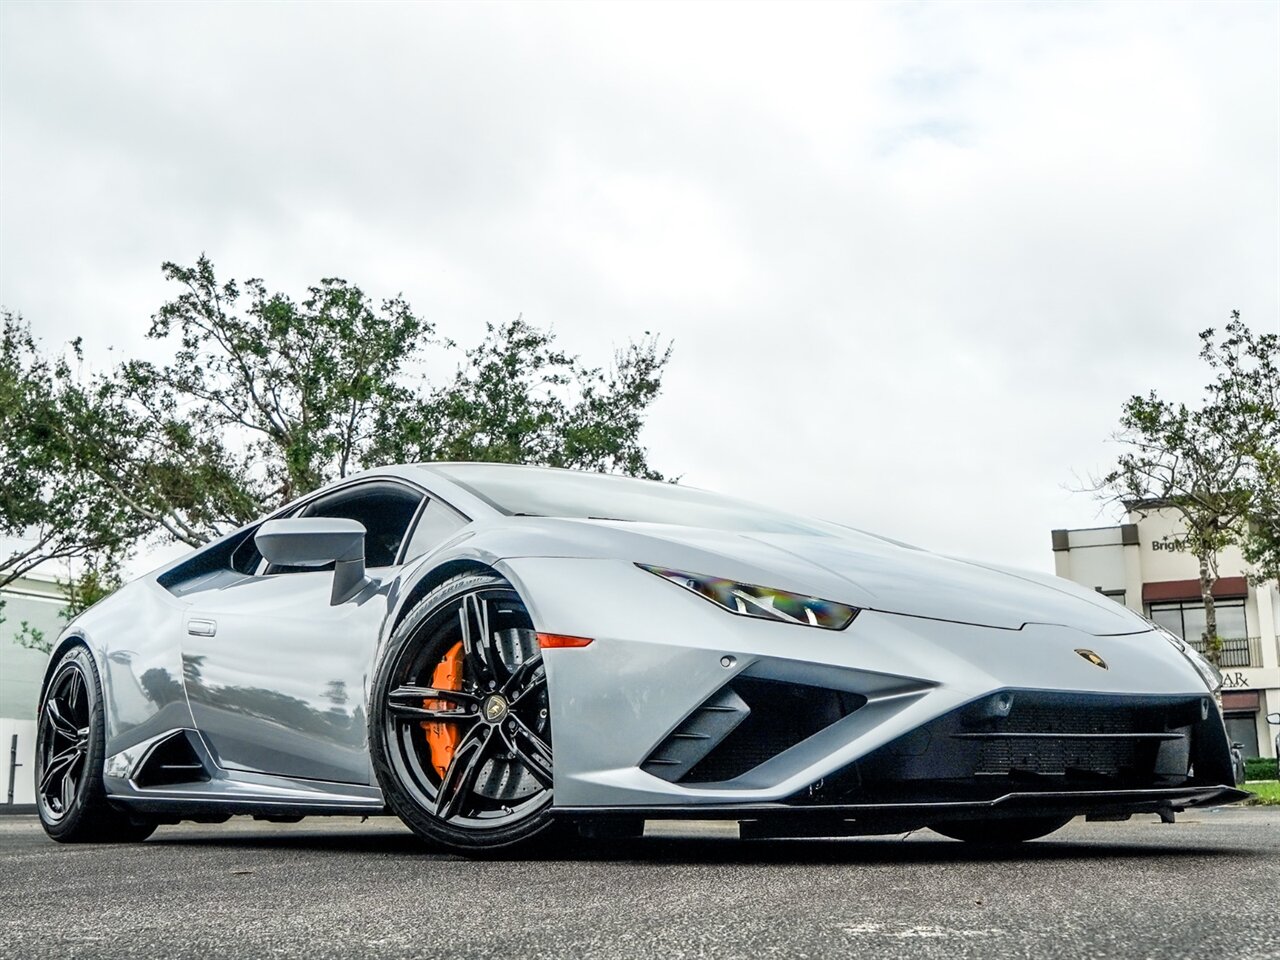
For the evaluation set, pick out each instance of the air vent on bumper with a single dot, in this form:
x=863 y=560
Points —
x=745 y=723
x=170 y=761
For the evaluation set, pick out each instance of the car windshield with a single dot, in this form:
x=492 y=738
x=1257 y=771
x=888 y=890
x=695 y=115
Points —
x=547 y=492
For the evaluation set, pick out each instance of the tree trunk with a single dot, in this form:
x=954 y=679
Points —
x=1212 y=645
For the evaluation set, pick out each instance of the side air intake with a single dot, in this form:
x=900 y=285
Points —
x=173 y=760
x=700 y=733
x=742 y=725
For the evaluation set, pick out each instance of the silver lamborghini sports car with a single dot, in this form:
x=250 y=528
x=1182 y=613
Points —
x=493 y=652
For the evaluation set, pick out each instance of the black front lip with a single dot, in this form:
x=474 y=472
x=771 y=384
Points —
x=1039 y=803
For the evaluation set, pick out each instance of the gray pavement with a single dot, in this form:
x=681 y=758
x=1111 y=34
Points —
x=1208 y=886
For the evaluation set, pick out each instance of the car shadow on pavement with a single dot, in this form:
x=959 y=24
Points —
x=888 y=851
x=923 y=848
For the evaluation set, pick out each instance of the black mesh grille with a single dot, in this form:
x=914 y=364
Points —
x=1102 y=757
x=1037 y=739
x=1057 y=756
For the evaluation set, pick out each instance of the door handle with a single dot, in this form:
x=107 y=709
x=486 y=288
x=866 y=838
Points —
x=202 y=628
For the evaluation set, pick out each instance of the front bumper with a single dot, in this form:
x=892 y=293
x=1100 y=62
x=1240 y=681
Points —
x=660 y=655
x=851 y=819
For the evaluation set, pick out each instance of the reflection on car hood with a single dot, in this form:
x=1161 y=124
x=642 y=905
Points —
x=847 y=566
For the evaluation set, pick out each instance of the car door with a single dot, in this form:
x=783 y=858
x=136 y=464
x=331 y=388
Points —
x=275 y=674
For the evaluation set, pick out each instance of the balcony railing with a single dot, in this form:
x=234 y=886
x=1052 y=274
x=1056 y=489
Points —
x=1235 y=651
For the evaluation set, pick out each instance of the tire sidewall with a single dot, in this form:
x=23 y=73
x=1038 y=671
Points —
x=397 y=797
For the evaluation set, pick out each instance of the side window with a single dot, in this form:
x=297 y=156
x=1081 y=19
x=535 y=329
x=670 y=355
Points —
x=385 y=509
x=246 y=557
x=436 y=524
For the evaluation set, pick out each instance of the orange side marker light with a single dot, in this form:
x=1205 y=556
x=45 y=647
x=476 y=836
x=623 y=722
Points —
x=548 y=641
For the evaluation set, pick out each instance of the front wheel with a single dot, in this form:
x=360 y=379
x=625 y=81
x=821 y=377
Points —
x=997 y=832
x=70 y=743
x=460 y=728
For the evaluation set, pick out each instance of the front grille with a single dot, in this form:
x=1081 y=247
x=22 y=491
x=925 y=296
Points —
x=1058 y=739
x=1058 y=757
x=1037 y=740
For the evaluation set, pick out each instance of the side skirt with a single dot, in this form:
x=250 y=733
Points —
x=209 y=792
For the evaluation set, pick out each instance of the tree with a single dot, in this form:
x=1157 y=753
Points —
x=518 y=399
x=266 y=398
x=50 y=508
x=1215 y=464
x=1245 y=395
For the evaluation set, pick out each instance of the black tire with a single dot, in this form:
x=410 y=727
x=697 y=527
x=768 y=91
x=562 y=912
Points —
x=499 y=774
x=999 y=832
x=70 y=745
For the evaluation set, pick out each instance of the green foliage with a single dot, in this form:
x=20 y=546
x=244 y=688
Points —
x=517 y=399
x=52 y=505
x=1264 y=794
x=1215 y=464
x=1260 y=768
x=28 y=636
x=266 y=398
x=95 y=582
x=1244 y=404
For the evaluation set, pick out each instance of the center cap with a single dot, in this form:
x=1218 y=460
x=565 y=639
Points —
x=495 y=708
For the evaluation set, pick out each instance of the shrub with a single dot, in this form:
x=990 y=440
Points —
x=1260 y=768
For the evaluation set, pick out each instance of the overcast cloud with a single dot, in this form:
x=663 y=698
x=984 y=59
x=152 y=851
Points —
x=913 y=257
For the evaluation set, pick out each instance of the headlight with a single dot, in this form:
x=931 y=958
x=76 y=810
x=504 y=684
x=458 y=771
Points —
x=1208 y=672
x=750 y=600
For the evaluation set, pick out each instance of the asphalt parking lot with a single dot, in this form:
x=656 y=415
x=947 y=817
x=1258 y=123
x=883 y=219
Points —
x=1207 y=886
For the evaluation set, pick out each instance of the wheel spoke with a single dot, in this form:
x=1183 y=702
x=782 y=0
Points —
x=61 y=725
x=72 y=695
x=68 y=791
x=524 y=679
x=536 y=762
x=479 y=643
x=541 y=746
x=406 y=703
x=468 y=758
x=530 y=693
x=59 y=764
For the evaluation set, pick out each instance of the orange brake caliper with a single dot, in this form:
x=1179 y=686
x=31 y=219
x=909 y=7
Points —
x=443 y=735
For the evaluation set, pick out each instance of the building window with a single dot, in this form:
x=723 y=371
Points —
x=1242 y=728
x=1185 y=618
x=1116 y=595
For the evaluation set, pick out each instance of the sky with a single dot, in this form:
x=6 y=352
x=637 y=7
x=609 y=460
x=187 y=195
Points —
x=912 y=257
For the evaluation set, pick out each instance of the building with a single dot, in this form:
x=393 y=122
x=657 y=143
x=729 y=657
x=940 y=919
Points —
x=39 y=601
x=1145 y=565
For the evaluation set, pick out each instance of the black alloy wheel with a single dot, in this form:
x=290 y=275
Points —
x=466 y=763
x=64 y=743
x=70 y=743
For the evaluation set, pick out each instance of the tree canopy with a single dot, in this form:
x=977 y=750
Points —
x=1214 y=463
x=266 y=397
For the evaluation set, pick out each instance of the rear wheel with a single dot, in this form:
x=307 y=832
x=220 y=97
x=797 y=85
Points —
x=997 y=832
x=460 y=731
x=70 y=743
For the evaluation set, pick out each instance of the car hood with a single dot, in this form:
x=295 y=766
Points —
x=847 y=566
